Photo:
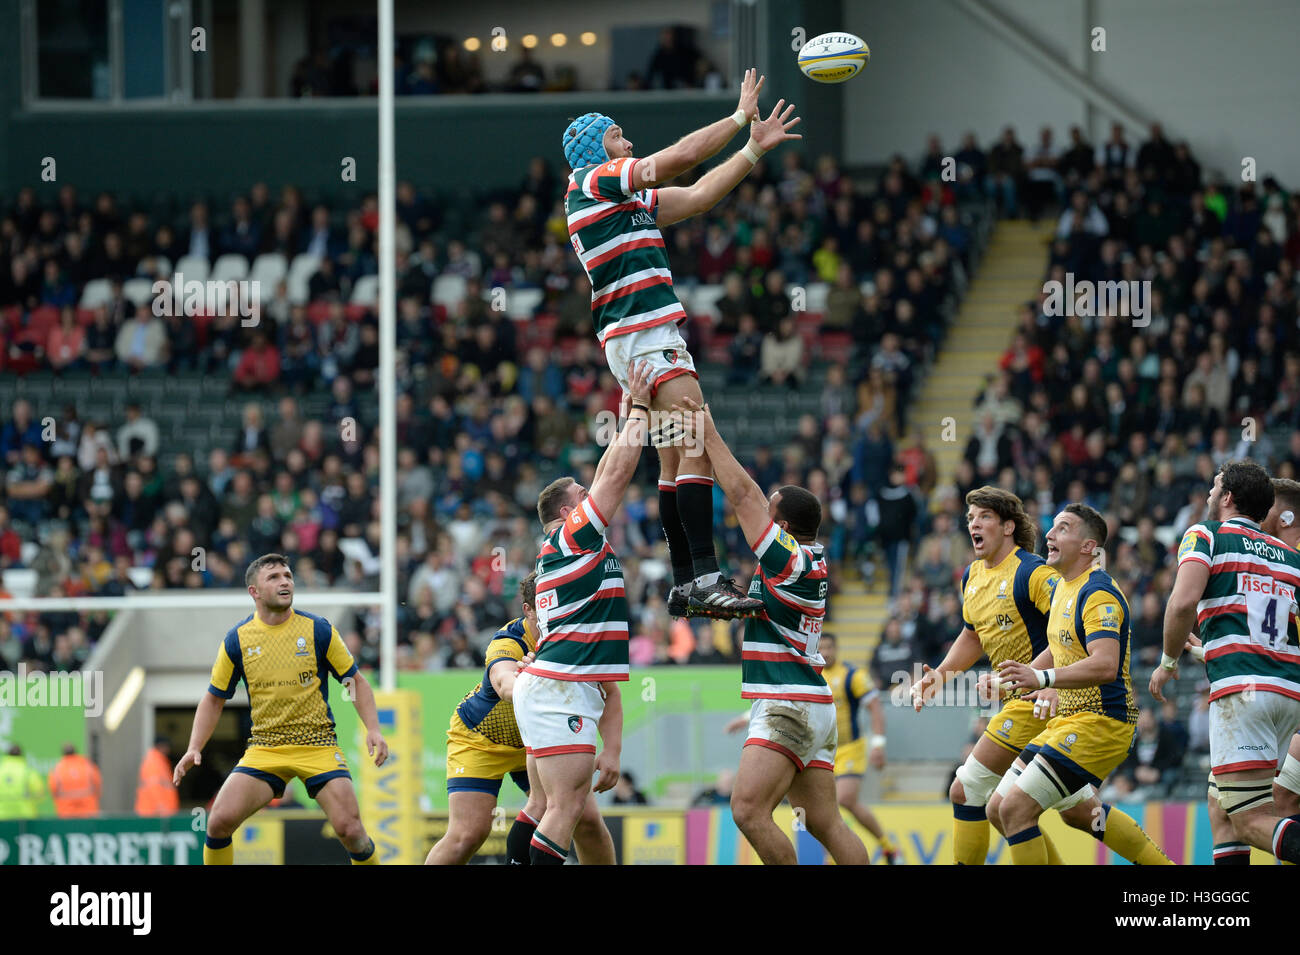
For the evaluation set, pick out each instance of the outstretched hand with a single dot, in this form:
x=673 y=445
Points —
x=750 y=87
x=773 y=131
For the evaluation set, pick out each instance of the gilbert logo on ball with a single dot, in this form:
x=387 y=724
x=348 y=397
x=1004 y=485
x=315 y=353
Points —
x=833 y=57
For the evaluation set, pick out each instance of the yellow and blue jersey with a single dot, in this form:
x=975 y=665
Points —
x=1092 y=607
x=285 y=669
x=1007 y=605
x=482 y=715
x=850 y=687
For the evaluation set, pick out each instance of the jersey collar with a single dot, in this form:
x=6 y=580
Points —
x=1241 y=519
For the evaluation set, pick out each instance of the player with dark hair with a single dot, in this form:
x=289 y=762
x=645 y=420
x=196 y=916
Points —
x=483 y=746
x=284 y=656
x=1237 y=585
x=790 y=749
x=614 y=215
x=1006 y=594
x=1087 y=660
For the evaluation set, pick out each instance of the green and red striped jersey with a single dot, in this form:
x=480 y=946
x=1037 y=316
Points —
x=779 y=658
x=613 y=228
x=1247 y=613
x=581 y=604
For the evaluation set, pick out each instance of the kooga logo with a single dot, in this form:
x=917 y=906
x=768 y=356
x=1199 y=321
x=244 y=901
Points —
x=103 y=908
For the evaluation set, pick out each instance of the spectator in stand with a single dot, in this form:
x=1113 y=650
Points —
x=1006 y=173
x=782 y=356
x=142 y=341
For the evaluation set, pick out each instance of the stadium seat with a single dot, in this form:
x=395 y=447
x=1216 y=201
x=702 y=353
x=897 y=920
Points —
x=448 y=290
x=96 y=293
x=704 y=300
x=817 y=296
x=521 y=303
x=192 y=268
x=298 y=281
x=231 y=267
x=138 y=291
x=366 y=291
x=269 y=269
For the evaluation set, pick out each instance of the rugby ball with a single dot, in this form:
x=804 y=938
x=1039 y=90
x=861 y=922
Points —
x=833 y=57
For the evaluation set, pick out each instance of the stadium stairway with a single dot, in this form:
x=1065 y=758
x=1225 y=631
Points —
x=1009 y=273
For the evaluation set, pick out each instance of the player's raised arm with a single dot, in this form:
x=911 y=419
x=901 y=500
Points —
x=747 y=498
x=618 y=463
x=703 y=144
x=681 y=202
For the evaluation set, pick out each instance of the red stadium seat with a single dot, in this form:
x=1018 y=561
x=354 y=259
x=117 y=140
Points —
x=85 y=317
x=355 y=313
x=836 y=346
x=318 y=312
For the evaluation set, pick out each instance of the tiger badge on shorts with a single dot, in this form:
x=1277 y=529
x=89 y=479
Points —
x=670 y=355
x=575 y=723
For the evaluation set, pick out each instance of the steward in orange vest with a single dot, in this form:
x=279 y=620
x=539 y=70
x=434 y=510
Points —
x=156 y=796
x=75 y=785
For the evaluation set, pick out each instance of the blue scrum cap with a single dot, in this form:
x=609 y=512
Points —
x=584 y=140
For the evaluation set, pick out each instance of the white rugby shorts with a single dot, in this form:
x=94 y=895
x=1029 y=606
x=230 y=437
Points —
x=660 y=345
x=1251 y=730
x=557 y=716
x=806 y=732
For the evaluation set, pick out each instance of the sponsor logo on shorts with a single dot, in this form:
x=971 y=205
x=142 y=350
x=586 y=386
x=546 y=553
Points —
x=1069 y=741
x=1006 y=728
x=575 y=723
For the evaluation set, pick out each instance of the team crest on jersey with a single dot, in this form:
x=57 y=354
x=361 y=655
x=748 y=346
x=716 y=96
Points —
x=670 y=355
x=1069 y=741
x=1002 y=590
x=575 y=723
x=302 y=647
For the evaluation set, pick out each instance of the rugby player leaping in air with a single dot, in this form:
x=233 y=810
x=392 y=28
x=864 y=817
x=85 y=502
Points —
x=614 y=215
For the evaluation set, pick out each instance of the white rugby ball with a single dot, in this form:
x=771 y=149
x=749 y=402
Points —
x=833 y=57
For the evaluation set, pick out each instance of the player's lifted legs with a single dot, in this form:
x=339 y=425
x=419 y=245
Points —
x=705 y=593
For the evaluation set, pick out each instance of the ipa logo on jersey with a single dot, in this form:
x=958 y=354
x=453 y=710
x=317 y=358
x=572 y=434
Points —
x=575 y=723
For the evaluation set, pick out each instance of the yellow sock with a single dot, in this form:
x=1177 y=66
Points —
x=1028 y=847
x=1053 y=856
x=218 y=851
x=368 y=857
x=970 y=835
x=1126 y=837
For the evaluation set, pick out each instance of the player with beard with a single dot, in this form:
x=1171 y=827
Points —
x=1237 y=584
x=614 y=213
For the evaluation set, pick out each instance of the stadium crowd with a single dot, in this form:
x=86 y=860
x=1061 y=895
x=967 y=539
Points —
x=1132 y=417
